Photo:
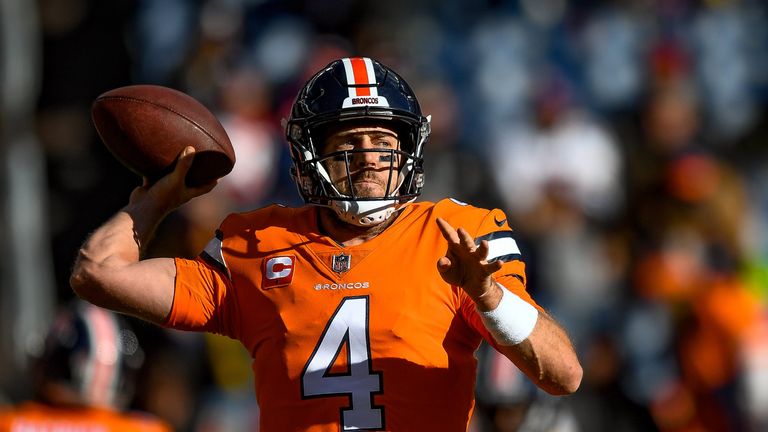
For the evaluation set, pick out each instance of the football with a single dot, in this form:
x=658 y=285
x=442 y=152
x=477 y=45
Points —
x=146 y=126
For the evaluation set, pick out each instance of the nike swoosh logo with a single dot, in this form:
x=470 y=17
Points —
x=500 y=223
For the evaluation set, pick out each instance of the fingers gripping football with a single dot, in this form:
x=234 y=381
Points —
x=172 y=190
x=464 y=263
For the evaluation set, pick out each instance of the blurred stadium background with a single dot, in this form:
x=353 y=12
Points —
x=626 y=140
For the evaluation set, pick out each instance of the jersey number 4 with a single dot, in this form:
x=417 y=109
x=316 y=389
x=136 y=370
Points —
x=348 y=327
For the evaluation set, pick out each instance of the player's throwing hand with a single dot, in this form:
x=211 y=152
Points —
x=171 y=190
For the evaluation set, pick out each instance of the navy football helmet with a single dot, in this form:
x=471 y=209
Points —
x=352 y=91
x=90 y=358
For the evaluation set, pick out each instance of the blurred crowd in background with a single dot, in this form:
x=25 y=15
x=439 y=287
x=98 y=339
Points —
x=626 y=140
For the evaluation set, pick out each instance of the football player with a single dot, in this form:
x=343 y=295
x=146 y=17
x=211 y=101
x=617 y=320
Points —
x=362 y=309
x=84 y=378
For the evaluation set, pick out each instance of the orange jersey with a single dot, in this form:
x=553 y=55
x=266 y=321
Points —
x=36 y=417
x=363 y=337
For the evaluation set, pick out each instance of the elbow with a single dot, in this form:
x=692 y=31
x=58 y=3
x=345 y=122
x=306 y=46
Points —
x=79 y=285
x=568 y=381
x=573 y=381
x=84 y=279
x=80 y=280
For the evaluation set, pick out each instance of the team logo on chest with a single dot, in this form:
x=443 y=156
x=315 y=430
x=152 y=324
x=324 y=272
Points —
x=341 y=263
x=278 y=271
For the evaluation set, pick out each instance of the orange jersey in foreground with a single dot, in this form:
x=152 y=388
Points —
x=364 y=337
x=36 y=417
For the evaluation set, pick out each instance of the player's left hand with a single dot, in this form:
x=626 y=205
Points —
x=465 y=265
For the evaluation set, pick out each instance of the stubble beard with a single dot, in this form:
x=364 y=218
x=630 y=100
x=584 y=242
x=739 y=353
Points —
x=364 y=185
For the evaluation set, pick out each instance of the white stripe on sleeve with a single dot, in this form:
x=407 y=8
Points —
x=500 y=247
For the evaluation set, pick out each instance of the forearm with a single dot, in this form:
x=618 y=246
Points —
x=123 y=238
x=547 y=357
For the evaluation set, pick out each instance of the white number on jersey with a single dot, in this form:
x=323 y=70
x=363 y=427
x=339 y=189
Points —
x=347 y=327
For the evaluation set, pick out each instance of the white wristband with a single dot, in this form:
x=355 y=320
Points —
x=513 y=319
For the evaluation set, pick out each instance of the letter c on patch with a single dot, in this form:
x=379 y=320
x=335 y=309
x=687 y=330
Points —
x=278 y=271
x=279 y=267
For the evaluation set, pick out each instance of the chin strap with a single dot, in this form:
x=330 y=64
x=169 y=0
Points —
x=365 y=213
